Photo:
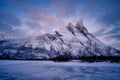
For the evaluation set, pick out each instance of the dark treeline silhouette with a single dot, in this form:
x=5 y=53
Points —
x=69 y=58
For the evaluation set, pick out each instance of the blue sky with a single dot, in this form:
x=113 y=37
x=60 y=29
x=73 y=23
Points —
x=23 y=18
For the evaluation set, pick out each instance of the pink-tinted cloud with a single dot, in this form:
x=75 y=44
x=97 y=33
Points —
x=63 y=8
x=32 y=24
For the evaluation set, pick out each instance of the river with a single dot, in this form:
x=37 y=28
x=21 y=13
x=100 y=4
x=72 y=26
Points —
x=48 y=70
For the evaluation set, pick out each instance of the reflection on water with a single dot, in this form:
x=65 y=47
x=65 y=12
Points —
x=47 y=70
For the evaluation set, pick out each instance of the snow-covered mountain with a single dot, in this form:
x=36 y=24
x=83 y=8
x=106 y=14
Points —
x=76 y=42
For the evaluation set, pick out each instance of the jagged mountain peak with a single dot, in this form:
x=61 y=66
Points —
x=81 y=28
x=57 y=33
x=78 y=28
x=70 y=27
x=70 y=24
x=80 y=23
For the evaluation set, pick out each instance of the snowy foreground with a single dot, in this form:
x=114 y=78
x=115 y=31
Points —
x=48 y=70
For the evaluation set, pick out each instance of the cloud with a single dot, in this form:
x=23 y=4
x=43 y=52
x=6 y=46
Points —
x=5 y=27
x=110 y=18
x=9 y=18
x=111 y=22
x=8 y=21
x=113 y=34
x=33 y=24
x=42 y=17
x=64 y=8
x=32 y=17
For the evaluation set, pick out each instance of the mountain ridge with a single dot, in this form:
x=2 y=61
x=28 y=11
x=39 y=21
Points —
x=80 y=43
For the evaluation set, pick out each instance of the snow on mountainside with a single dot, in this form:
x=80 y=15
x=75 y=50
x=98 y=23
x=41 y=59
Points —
x=4 y=36
x=79 y=43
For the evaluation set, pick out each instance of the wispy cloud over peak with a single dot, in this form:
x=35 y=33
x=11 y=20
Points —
x=34 y=17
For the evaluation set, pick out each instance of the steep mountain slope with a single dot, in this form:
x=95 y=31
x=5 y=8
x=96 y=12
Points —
x=77 y=44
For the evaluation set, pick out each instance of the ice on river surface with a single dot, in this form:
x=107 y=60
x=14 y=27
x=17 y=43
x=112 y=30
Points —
x=48 y=70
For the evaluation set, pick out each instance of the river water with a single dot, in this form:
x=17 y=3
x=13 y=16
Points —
x=48 y=70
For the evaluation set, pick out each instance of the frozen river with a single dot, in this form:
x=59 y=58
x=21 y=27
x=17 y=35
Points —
x=48 y=70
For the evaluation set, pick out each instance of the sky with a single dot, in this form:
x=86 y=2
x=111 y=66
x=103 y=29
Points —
x=24 y=18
